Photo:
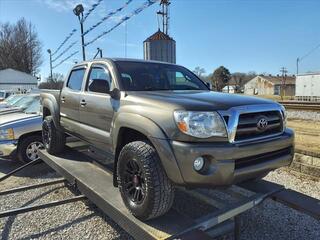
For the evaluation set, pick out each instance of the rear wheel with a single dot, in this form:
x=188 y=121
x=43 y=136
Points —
x=144 y=186
x=28 y=148
x=53 y=140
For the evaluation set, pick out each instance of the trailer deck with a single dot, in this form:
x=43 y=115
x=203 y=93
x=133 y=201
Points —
x=215 y=216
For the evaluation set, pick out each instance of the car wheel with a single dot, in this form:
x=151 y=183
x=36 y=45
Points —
x=53 y=140
x=28 y=148
x=144 y=186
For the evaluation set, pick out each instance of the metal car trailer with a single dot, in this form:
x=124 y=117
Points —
x=221 y=216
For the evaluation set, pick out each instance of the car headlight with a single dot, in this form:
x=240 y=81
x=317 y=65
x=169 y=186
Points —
x=285 y=116
x=200 y=124
x=6 y=134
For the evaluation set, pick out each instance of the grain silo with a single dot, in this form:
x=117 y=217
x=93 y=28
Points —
x=160 y=46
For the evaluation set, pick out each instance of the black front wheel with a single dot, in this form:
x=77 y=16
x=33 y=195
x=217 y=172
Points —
x=53 y=140
x=144 y=186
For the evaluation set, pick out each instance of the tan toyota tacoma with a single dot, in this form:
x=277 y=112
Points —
x=163 y=127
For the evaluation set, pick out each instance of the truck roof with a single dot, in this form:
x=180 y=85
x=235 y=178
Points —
x=120 y=59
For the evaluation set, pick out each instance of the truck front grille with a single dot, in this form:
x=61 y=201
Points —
x=261 y=158
x=258 y=124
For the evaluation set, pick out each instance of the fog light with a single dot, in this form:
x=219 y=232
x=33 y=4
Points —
x=198 y=163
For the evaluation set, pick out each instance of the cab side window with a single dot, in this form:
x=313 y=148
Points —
x=99 y=80
x=75 y=79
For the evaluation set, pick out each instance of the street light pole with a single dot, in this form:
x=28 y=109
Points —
x=78 y=11
x=49 y=51
x=82 y=37
x=298 y=66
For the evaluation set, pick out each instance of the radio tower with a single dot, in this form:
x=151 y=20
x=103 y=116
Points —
x=165 y=15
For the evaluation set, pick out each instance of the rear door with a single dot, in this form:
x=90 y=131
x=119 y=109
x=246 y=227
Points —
x=96 y=107
x=70 y=101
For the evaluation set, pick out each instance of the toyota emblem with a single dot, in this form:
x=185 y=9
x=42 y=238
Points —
x=262 y=124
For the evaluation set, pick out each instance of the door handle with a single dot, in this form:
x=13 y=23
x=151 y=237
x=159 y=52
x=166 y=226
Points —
x=83 y=103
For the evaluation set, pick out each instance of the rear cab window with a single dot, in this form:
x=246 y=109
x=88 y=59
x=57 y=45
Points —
x=76 y=78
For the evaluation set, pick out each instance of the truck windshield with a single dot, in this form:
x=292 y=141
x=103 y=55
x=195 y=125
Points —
x=25 y=102
x=142 y=76
x=34 y=107
x=13 y=99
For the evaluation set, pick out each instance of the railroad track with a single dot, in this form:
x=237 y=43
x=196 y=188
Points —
x=301 y=105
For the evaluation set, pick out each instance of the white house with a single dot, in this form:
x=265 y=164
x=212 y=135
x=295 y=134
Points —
x=229 y=89
x=270 y=85
x=13 y=80
x=308 y=87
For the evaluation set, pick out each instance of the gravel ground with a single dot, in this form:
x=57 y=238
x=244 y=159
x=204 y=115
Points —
x=272 y=220
x=82 y=220
x=305 y=115
x=79 y=220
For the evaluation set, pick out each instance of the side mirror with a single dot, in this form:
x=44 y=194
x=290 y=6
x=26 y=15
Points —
x=115 y=94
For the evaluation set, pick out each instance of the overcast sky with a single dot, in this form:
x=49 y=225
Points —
x=244 y=36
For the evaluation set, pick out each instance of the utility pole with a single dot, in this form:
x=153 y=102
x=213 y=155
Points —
x=78 y=11
x=49 y=51
x=125 y=39
x=284 y=72
x=298 y=60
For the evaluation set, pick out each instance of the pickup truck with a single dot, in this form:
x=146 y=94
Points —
x=163 y=126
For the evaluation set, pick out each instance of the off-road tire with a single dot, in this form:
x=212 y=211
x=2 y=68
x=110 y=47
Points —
x=159 y=191
x=23 y=145
x=55 y=142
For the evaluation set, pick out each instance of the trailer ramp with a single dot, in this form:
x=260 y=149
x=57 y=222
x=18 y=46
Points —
x=181 y=222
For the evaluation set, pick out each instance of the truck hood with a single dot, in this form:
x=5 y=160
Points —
x=12 y=118
x=198 y=100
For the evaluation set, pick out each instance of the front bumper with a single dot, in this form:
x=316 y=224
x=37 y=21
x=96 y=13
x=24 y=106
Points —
x=8 y=148
x=228 y=163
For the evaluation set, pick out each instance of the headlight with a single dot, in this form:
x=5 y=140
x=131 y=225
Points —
x=285 y=116
x=6 y=134
x=200 y=124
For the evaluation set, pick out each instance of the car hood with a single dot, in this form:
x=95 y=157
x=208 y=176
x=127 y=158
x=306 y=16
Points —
x=12 y=118
x=4 y=111
x=197 y=100
x=4 y=105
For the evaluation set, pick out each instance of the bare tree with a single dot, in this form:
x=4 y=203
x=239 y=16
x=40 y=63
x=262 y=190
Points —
x=55 y=83
x=199 y=71
x=20 y=47
x=56 y=77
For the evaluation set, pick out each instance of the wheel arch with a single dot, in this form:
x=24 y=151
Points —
x=132 y=127
x=22 y=137
x=50 y=108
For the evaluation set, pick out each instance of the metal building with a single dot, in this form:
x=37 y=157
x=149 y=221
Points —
x=160 y=47
x=14 y=80
x=308 y=87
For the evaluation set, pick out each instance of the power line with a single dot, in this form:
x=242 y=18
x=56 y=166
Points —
x=63 y=60
x=311 y=51
x=299 y=59
x=147 y=4
x=91 y=9
x=64 y=41
x=110 y=14
x=64 y=51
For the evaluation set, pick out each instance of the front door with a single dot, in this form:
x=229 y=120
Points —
x=70 y=101
x=96 y=108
